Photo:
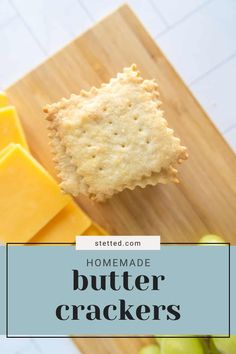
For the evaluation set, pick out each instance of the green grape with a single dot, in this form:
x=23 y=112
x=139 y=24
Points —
x=226 y=345
x=212 y=348
x=159 y=339
x=205 y=346
x=211 y=239
x=181 y=346
x=150 y=349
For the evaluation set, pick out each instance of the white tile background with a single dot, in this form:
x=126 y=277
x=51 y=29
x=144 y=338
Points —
x=198 y=37
x=37 y=346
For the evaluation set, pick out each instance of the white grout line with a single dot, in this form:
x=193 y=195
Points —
x=175 y=24
x=212 y=69
x=86 y=10
x=229 y=129
x=157 y=10
x=28 y=28
x=6 y=19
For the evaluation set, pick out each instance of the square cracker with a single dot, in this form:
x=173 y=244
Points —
x=114 y=137
x=71 y=183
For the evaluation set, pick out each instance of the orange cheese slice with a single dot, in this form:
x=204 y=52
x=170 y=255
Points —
x=10 y=128
x=65 y=226
x=3 y=99
x=95 y=230
x=29 y=196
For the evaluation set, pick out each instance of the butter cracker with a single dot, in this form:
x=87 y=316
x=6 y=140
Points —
x=115 y=137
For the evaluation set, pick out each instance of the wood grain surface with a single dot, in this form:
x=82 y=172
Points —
x=205 y=200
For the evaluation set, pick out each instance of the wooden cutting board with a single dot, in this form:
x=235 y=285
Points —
x=205 y=200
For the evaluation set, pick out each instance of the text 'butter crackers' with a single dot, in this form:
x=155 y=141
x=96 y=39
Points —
x=113 y=138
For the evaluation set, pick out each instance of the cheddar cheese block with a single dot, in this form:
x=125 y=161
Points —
x=6 y=150
x=95 y=230
x=29 y=196
x=3 y=99
x=10 y=128
x=65 y=226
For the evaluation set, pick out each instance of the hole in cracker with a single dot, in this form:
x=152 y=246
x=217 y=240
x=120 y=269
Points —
x=140 y=130
x=115 y=133
x=110 y=122
x=135 y=117
x=130 y=105
x=84 y=132
x=104 y=109
x=100 y=169
x=147 y=141
x=93 y=156
x=123 y=146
